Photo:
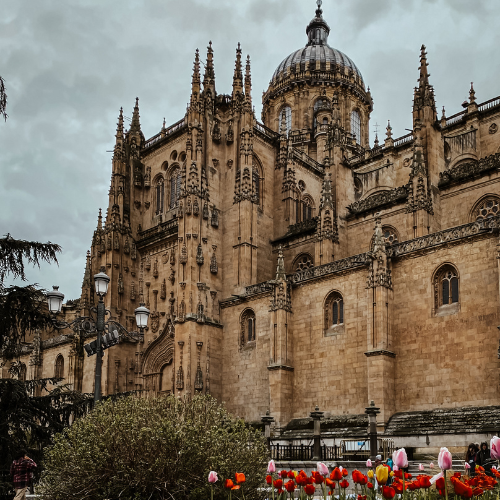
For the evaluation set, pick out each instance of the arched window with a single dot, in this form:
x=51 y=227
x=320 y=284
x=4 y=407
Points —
x=22 y=372
x=302 y=262
x=159 y=196
x=307 y=208
x=165 y=382
x=175 y=187
x=446 y=289
x=286 y=115
x=59 y=367
x=334 y=313
x=486 y=208
x=257 y=182
x=356 y=126
x=247 y=327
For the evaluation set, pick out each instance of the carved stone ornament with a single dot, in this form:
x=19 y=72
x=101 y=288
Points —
x=205 y=211
x=196 y=207
x=184 y=254
x=468 y=170
x=121 y=287
x=493 y=128
x=214 y=221
x=199 y=255
x=155 y=321
x=163 y=290
x=396 y=195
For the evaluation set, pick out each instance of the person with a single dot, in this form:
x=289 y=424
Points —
x=470 y=458
x=21 y=469
x=484 y=455
x=390 y=463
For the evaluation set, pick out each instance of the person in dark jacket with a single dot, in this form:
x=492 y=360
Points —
x=21 y=470
x=483 y=455
x=470 y=458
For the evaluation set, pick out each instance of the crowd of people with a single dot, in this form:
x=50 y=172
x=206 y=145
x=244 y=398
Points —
x=477 y=455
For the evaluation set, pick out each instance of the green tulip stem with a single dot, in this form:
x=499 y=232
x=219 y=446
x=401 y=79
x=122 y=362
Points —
x=445 y=487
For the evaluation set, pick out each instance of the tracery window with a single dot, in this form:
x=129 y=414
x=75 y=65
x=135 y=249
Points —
x=286 y=114
x=446 y=287
x=175 y=187
x=334 y=312
x=247 y=327
x=307 y=208
x=159 y=196
x=303 y=262
x=488 y=207
x=356 y=126
x=390 y=235
x=59 y=367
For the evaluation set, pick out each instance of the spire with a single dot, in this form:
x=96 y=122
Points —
x=248 y=82
x=388 y=130
x=318 y=30
x=280 y=269
x=195 y=86
x=424 y=74
x=209 y=77
x=135 y=126
x=119 y=136
x=472 y=93
x=99 y=221
x=238 y=75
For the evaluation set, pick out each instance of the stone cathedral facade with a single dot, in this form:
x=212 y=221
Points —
x=288 y=264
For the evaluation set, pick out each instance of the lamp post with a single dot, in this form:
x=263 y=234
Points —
x=372 y=412
x=316 y=416
x=97 y=325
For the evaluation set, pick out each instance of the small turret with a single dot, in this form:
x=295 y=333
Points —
x=248 y=84
x=209 y=77
x=424 y=104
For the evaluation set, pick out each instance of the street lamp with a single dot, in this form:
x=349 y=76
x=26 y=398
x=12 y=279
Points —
x=98 y=325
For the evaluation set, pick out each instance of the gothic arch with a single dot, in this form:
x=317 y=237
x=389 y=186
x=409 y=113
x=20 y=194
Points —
x=173 y=185
x=307 y=209
x=157 y=355
x=487 y=206
x=247 y=327
x=333 y=313
x=59 y=366
x=302 y=262
x=446 y=289
x=462 y=158
x=257 y=180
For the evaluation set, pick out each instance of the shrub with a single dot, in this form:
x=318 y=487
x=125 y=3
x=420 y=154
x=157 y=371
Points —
x=158 y=448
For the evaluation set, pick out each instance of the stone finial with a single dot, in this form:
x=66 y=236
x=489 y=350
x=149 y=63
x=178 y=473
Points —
x=388 y=130
x=472 y=93
x=280 y=270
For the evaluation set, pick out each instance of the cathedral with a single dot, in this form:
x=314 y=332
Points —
x=288 y=264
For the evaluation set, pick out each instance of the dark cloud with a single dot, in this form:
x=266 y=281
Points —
x=69 y=66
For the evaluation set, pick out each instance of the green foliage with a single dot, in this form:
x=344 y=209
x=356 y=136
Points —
x=22 y=309
x=31 y=422
x=153 y=449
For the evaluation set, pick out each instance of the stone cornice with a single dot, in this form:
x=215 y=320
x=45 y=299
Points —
x=378 y=200
x=380 y=352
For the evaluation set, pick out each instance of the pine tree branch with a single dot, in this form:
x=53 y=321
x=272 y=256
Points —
x=14 y=252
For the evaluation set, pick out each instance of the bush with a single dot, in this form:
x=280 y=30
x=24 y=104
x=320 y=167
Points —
x=153 y=449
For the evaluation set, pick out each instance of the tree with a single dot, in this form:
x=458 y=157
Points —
x=154 y=449
x=3 y=99
x=31 y=422
x=22 y=309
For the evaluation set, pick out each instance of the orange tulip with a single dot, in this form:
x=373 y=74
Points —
x=240 y=477
x=228 y=483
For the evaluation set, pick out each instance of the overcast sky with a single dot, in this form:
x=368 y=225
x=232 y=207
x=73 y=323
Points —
x=69 y=66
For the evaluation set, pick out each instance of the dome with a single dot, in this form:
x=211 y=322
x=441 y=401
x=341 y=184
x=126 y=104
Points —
x=317 y=49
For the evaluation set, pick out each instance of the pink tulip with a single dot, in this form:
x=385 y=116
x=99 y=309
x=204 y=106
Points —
x=369 y=463
x=495 y=448
x=431 y=465
x=445 y=460
x=212 y=477
x=395 y=468
x=271 y=467
x=467 y=465
x=420 y=467
x=400 y=459
x=323 y=469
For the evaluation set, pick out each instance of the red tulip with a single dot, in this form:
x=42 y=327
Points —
x=291 y=475
x=424 y=481
x=461 y=489
x=336 y=474
x=240 y=477
x=388 y=492
x=398 y=487
x=344 y=484
x=330 y=483
x=344 y=472
x=278 y=483
x=309 y=489
x=228 y=483
x=284 y=474
x=269 y=479
x=440 y=483
x=357 y=476
x=318 y=479
x=369 y=485
x=290 y=486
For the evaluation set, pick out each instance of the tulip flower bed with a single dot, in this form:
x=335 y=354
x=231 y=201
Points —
x=380 y=482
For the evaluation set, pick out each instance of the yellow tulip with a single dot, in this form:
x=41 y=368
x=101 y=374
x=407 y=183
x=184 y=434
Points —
x=391 y=474
x=370 y=474
x=382 y=474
